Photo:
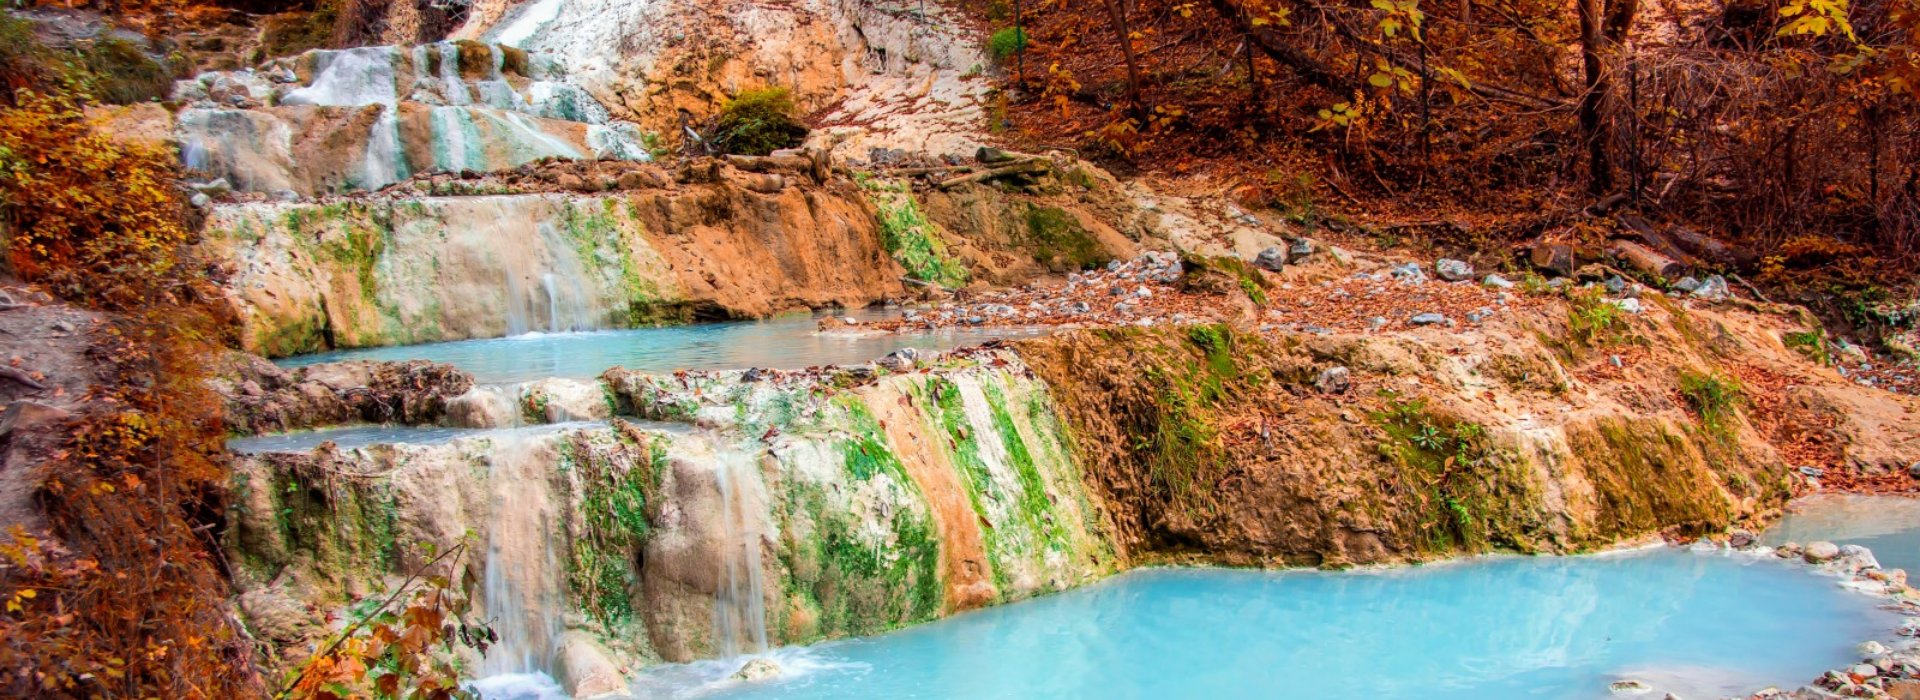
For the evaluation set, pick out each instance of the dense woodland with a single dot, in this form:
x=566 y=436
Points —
x=1782 y=129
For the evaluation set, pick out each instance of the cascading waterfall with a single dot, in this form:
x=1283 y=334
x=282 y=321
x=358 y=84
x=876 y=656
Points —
x=350 y=78
x=522 y=589
x=739 y=607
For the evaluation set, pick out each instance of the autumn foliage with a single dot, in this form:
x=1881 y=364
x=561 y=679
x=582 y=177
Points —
x=125 y=597
x=1754 y=120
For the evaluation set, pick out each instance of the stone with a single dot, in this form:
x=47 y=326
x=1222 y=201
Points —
x=1300 y=248
x=200 y=200
x=1376 y=323
x=1871 y=648
x=1428 y=319
x=1712 y=288
x=1913 y=470
x=1629 y=686
x=757 y=669
x=586 y=669
x=1497 y=282
x=1740 y=538
x=1615 y=285
x=217 y=188
x=1453 y=270
x=1863 y=671
x=63 y=326
x=1858 y=558
x=900 y=360
x=1272 y=259
x=1409 y=273
x=1687 y=284
x=1631 y=306
x=1821 y=552
x=1080 y=307
x=1478 y=315
x=1334 y=380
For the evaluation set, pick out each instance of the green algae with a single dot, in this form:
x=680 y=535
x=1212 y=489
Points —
x=909 y=237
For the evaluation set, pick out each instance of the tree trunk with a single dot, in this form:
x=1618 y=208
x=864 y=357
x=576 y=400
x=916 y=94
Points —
x=1593 y=100
x=1117 y=12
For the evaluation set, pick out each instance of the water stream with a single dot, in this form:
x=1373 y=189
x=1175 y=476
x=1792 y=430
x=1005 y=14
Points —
x=786 y=342
x=521 y=589
x=1697 y=625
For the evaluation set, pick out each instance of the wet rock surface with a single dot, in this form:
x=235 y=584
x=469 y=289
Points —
x=264 y=398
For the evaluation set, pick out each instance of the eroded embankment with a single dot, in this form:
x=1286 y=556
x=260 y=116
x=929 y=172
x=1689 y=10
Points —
x=1221 y=445
x=725 y=511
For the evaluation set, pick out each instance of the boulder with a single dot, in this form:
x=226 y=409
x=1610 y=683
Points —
x=1334 y=380
x=1272 y=259
x=1712 y=288
x=1821 y=552
x=757 y=669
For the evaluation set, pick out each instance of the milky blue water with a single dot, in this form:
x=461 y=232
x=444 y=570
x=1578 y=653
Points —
x=787 y=342
x=1888 y=525
x=1699 y=625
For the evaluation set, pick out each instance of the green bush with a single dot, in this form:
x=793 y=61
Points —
x=1006 y=42
x=757 y=122
x=1715 y=398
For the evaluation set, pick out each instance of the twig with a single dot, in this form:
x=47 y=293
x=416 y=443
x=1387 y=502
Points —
x=357 y=624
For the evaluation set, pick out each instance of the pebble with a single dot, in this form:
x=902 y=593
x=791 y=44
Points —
x=1871 y=648
x=1428 y=319
x=1687 y=284
x=1497 y=282
x=1631 y=306
x=1453 y=270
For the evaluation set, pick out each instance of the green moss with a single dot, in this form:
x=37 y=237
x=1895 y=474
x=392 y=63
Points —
x=1812 y=343
x=1647 y=478
x=1471 y=495
x=910 y=238
x=612 y=510
x=1058 y=241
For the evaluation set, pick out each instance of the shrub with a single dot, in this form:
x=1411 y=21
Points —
x=757 y=122
x=1593 y=319
x=97 y=220
x=1714 y=398
x=1006 y=42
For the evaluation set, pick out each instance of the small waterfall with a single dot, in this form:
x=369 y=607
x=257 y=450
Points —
x=572 y=304
x=383 y=164
x=350 y=78
x=739 y=607
x=522 y=587
x=453 y=88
